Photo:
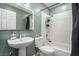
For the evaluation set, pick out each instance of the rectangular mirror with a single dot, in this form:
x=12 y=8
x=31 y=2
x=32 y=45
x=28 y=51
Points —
x=16 y=17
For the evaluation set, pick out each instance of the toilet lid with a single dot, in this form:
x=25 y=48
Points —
x=47 y=48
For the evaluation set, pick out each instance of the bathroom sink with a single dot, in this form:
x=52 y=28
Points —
x=21 y=43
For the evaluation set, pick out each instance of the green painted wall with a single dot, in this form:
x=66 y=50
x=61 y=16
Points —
x=61 y=8
x=5 y=50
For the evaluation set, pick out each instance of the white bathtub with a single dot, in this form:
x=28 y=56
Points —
x=62 y=50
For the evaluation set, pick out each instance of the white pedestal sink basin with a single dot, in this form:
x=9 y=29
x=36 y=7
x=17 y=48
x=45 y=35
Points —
x=21 y=43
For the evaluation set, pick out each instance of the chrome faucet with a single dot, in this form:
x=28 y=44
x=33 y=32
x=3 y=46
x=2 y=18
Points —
x=20 y=35
x=13 y=36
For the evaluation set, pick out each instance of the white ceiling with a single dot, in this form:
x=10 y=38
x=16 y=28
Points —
x=49 y=4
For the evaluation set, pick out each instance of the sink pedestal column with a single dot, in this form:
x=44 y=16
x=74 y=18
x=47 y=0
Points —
x=22 y=51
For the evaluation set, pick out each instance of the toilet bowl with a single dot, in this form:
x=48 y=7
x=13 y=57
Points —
x=48 y=50
x=45 y=49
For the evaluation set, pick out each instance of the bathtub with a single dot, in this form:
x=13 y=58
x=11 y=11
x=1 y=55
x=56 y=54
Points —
x=62 y=50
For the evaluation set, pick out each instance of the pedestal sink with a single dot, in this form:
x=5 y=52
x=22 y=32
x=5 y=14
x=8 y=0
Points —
x=21 y=43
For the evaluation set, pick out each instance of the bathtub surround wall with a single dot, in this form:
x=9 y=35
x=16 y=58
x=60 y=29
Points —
x=5 y=50
x=45 y=32
x=61 y=29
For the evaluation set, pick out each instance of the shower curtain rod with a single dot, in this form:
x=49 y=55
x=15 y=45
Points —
x=55 y=5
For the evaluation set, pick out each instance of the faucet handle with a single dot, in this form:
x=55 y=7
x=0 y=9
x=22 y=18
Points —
x=12 y=38
x=20 y=35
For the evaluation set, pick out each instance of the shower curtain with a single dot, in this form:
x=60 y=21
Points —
x=75 y=32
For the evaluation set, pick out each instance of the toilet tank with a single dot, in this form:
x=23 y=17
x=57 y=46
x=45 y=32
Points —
x=39 y=42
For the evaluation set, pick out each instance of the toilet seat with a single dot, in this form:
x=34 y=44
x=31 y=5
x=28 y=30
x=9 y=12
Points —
x=47 y=49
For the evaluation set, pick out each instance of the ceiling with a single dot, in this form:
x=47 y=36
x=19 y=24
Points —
x=49 y=4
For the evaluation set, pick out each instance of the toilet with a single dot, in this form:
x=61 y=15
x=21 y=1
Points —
x=44 y=49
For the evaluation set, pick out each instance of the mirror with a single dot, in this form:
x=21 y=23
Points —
x=16 y=16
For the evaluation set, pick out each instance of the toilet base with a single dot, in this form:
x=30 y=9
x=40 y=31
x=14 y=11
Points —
x=43 y=54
